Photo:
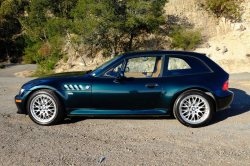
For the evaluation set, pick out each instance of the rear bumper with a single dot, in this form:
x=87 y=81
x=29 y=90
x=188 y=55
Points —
x=224 y=101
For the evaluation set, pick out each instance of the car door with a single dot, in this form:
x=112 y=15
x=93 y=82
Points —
x=140 y=89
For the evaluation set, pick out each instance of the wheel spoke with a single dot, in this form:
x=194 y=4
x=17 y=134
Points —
x=194 y=109
x=43 y=108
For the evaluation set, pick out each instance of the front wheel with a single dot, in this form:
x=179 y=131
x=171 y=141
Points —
x=45 y=108
x=194 y=108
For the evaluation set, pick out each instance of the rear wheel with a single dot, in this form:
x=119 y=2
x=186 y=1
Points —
x=45 y=108
x=194 y=108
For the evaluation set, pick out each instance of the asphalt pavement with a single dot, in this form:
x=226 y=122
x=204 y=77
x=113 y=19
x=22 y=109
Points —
x=11 y=69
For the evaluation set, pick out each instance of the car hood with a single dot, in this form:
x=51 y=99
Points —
x=57 y=80
x=66 y=74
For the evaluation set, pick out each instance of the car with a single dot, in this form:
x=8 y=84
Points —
x=188 y=85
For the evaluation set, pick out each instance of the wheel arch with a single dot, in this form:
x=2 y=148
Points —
x=42 y=88
x=203 y=90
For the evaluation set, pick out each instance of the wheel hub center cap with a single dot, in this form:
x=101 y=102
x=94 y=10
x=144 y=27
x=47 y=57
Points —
x=193 y=108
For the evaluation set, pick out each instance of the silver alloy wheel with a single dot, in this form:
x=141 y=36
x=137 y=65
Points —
x=43 y=108
x=194 y=109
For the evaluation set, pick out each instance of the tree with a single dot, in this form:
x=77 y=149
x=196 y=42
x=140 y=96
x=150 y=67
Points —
x=9 y=23
x=143 y=16
x=105 y=22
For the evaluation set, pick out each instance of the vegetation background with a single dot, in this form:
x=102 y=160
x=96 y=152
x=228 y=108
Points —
x=38 y=31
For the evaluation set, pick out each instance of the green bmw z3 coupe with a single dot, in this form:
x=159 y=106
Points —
x=151 y=83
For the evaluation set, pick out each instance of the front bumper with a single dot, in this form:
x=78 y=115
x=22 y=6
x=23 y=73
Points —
x=20 y=101
x=20 y=105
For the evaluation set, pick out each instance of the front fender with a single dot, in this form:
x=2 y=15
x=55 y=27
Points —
x=27 y=93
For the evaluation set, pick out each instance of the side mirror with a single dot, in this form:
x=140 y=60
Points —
x=120 y=76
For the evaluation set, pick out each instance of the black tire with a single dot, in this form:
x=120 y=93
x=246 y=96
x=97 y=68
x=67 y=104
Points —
x=59 y=111
x=183 y=115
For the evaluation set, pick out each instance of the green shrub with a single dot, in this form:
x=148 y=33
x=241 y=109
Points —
x=31 y=53
x=2 y=66
x=65 y=58
x=185 y=38
x=44 y=54
x=46 y=64
x=223 y=8
x=13 y=60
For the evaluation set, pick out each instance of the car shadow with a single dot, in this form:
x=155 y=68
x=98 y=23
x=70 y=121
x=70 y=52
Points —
x=240 y=105
x=70 y=120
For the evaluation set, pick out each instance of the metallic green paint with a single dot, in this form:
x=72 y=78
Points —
x=118 y=112
x=130 y=96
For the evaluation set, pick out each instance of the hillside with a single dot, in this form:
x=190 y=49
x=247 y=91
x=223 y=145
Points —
x=235 y=37
x=225 y=42
x=72 y=35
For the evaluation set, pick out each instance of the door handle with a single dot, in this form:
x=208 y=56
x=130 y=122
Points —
x=151 y=85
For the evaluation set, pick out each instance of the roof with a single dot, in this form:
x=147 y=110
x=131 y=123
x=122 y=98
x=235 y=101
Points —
x=161 y=52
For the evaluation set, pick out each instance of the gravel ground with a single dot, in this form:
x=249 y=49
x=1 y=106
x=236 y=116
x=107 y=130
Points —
x=153 y=141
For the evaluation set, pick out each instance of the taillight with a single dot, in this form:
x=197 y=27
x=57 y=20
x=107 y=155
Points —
x=225 y=85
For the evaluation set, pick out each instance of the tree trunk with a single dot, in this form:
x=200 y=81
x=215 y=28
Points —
x=131 y=41
x=7 y=51
x=113 y=52
x=77 y=52
x=114 y=48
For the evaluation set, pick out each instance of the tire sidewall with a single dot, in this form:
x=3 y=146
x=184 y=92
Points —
x=183 y=96
x=56 y=100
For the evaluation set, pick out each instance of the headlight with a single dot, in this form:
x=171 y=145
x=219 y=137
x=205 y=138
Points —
x=21 y=91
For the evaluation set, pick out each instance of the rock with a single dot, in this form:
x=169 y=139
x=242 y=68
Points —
x=70 y=65
x=224 y=50
x=240 y=27
x=82 y=64
x=207 y=45
x=217 y=48
x=197 y=9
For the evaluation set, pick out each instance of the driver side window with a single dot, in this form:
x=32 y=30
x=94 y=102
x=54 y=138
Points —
x=113 y=72
x=142 y=67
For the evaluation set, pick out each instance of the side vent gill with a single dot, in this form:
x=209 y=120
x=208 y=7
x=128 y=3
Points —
x=76 y=87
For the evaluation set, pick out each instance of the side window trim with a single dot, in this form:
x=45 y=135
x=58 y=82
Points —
x=167 y=56
x=125 y=60
x=122 y=68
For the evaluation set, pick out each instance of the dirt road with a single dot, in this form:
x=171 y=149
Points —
x=225 y=141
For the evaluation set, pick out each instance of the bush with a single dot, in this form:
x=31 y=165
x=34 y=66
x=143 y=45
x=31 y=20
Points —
x=2 y=66
x=45 y=54
x=224 y=8
x=46 y=64
x=13 y=60
x=65 y=58
x=31 y=52
x=185 y=38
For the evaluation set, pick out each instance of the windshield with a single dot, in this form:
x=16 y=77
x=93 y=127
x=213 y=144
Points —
x=99 y=69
